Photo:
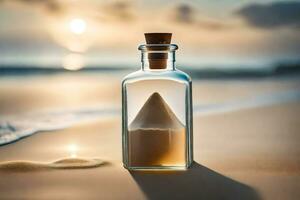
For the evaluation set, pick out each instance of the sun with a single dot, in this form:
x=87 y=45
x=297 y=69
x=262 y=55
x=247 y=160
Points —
x=77 y=26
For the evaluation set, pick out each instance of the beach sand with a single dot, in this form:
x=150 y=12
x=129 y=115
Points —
x=252 y=153
x=236 y=152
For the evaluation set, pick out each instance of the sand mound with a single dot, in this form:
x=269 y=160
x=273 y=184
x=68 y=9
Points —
x=156 y=114
x=156 y=136
x=65 y=163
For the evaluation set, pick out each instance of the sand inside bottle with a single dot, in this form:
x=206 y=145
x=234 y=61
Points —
x=156 y=136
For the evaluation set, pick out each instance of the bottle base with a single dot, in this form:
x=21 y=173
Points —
x=156 y=168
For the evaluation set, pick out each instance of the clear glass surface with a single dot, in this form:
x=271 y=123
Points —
x=157 y=119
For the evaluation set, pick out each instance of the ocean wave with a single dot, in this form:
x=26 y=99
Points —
x=18 y=127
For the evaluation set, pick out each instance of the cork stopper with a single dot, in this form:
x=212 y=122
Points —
x=158 y=38
x=158 y=60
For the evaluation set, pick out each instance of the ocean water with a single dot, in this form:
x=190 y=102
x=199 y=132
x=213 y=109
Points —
x=16 y=127
x=35 y=100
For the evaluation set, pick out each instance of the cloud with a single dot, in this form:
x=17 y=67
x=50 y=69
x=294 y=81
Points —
x=273 y=15
x=213 y=25
x=121 y=10
x=51 y=6
x=187 y=14
x=184 y=13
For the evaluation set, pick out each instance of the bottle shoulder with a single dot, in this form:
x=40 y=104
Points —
x=175 y=75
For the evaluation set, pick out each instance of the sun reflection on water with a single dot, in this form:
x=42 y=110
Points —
x=73 y=150
x=73 y=61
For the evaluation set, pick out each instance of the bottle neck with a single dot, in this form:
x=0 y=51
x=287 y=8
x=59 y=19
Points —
x=158 y=57
x=158 y=61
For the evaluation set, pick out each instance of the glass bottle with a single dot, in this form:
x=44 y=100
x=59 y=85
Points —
x=157 y=112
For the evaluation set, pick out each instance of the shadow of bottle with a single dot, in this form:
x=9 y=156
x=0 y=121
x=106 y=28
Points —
x=198 y=183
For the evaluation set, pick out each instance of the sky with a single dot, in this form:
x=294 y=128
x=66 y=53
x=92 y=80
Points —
x=74 y=34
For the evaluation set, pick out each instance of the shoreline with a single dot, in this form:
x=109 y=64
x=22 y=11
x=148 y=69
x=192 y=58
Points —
x=238 y=153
